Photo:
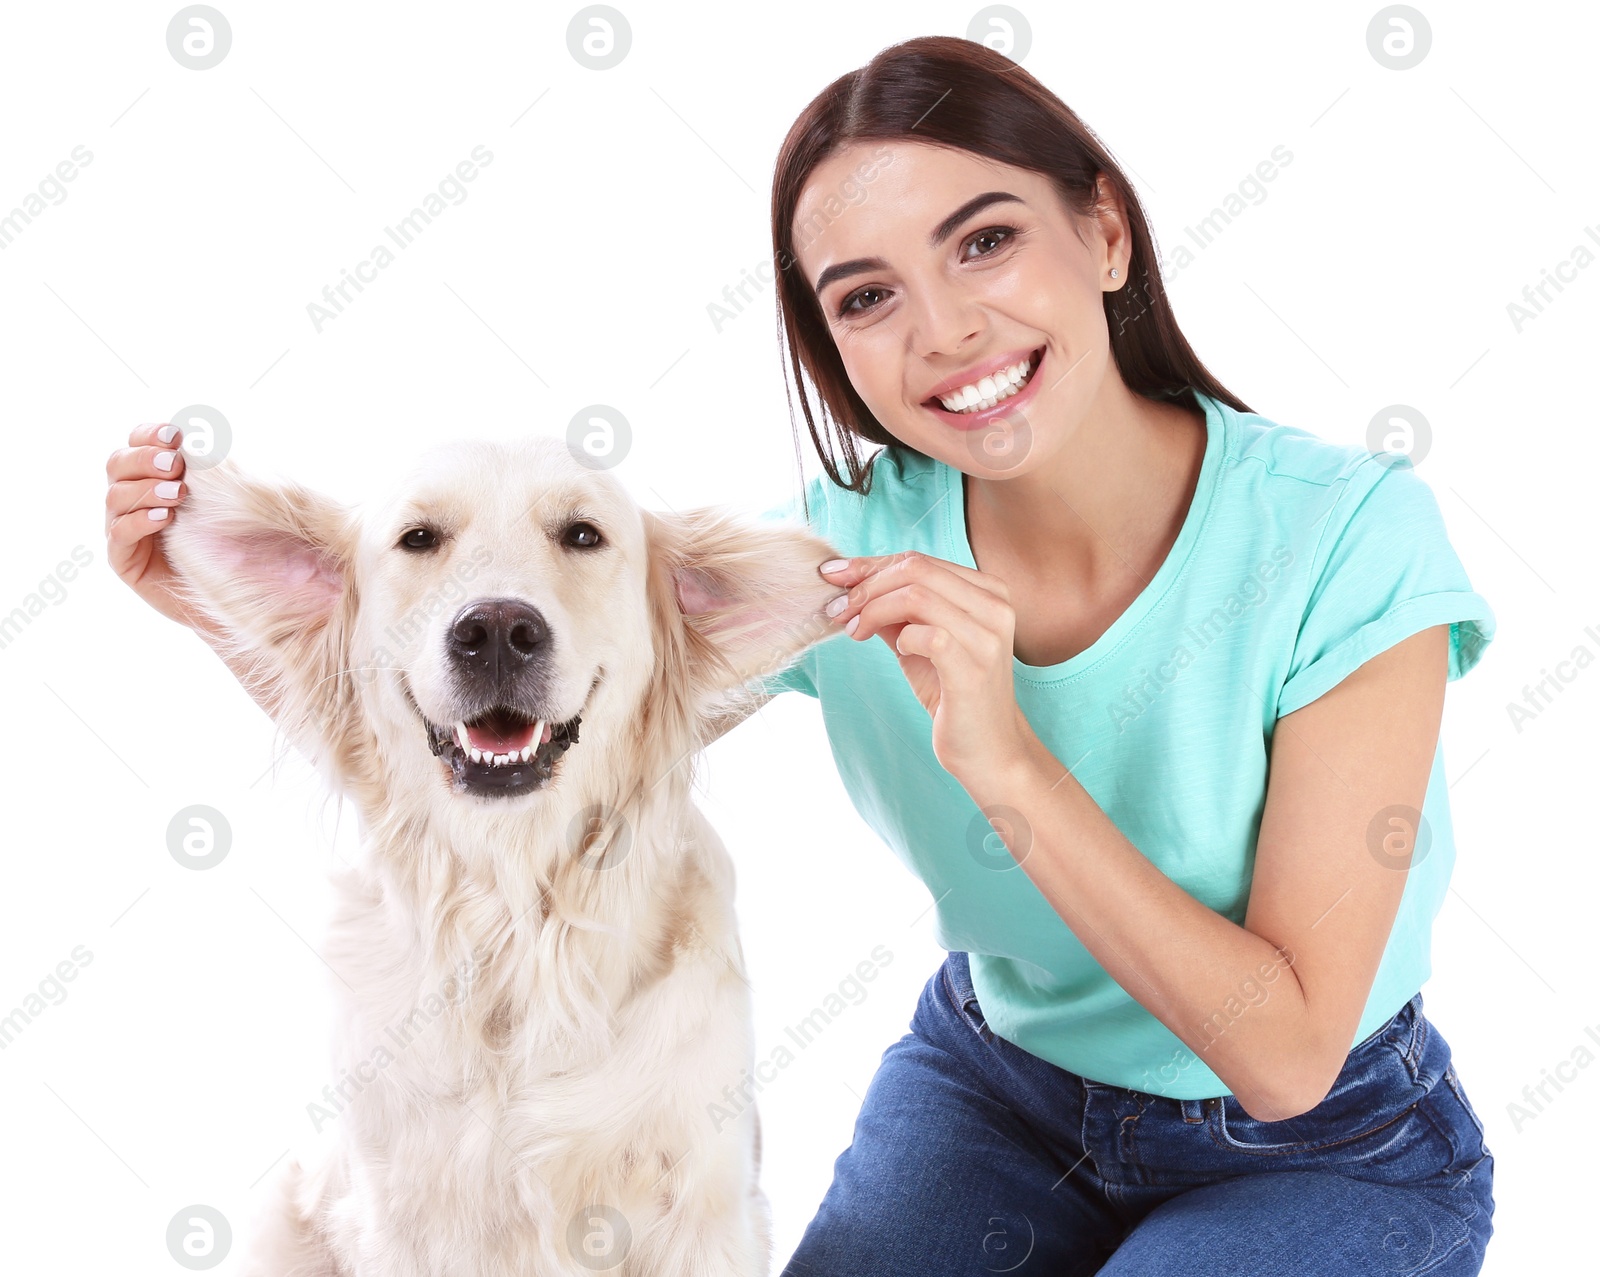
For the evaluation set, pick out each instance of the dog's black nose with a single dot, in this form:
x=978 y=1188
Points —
x=497 y=637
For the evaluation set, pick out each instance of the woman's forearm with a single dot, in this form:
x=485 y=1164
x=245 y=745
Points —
x=1182 y=961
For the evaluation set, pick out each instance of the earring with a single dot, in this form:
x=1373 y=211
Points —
x=1113 y=272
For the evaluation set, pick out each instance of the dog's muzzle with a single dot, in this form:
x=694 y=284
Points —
x=498 y=651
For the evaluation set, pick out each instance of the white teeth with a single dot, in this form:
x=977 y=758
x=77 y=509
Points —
x=990 y=390
x=541 y=732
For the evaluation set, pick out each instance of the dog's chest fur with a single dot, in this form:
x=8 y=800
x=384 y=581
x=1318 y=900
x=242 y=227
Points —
x=574 y=1066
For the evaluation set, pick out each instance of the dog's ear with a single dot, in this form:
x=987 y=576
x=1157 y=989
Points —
x=271 y=566
x=742 y=596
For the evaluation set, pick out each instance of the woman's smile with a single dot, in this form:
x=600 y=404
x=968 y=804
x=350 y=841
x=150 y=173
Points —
x=988 y=391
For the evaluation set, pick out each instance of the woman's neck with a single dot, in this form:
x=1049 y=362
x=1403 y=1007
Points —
x=1109 y=503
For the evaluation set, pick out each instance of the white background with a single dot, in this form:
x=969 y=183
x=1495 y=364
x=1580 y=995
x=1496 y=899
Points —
x=618 y=205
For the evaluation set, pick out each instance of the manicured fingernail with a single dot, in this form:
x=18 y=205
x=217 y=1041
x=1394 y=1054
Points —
x=836 y=604
x=851 y=627
x=164 y=460
x=167 y=489
x=158 y=512
x=166 y=433
x=835 y=565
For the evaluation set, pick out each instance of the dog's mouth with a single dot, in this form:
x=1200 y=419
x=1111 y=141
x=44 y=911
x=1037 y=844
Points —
x=503 y=751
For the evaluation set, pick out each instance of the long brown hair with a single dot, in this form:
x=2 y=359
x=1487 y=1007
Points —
x=958 y=93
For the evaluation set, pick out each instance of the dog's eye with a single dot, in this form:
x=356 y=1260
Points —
x=583 y=535
x=419 y=539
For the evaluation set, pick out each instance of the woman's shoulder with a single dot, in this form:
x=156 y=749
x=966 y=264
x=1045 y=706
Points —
x=1267 y=449
x=1280 y=475
x=1328 y=503
x=897 y=480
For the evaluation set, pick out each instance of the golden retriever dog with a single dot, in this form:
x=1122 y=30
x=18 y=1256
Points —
x=509 y=668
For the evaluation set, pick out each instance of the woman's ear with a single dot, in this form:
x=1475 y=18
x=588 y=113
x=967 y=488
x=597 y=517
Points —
x=744 y=595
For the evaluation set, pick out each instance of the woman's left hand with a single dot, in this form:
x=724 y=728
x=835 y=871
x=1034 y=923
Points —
x=952 y=628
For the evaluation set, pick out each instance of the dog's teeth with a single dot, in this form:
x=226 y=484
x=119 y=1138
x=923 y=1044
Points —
x=461 y=735
x=539 y=730
x=477 y=754
x=527 y=753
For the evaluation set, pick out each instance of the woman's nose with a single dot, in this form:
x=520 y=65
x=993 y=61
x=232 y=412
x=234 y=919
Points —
x=944 y=320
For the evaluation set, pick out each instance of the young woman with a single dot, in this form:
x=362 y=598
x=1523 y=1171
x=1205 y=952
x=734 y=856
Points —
x=1147 y=689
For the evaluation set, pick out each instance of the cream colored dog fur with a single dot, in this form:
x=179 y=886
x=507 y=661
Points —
x=573 y=927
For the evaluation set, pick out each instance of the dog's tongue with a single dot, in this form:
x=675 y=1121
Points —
x=495 y=735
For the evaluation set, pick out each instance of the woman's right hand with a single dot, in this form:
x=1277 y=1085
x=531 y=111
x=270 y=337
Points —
x=146 y=485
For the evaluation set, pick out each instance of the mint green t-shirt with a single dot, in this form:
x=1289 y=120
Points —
x=1298 y=561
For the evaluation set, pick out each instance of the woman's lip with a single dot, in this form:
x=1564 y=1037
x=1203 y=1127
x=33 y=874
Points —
x=975 y=374
x=977 y=420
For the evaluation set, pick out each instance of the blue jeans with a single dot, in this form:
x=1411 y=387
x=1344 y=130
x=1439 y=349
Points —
x=972 y=1156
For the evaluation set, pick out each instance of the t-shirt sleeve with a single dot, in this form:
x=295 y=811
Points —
x=1384 y=569
x=798 y=675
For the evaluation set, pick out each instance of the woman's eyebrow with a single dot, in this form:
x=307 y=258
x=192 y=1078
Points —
x=856 y=266
x=947 y=228
x=940 y=233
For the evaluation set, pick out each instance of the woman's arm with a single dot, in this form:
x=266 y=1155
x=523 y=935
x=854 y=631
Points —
x=1348 y=775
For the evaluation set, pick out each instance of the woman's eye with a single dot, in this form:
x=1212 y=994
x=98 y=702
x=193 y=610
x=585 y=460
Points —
x=993 y=236
x=583 y=535
x=419 y=539
x=861 y=294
